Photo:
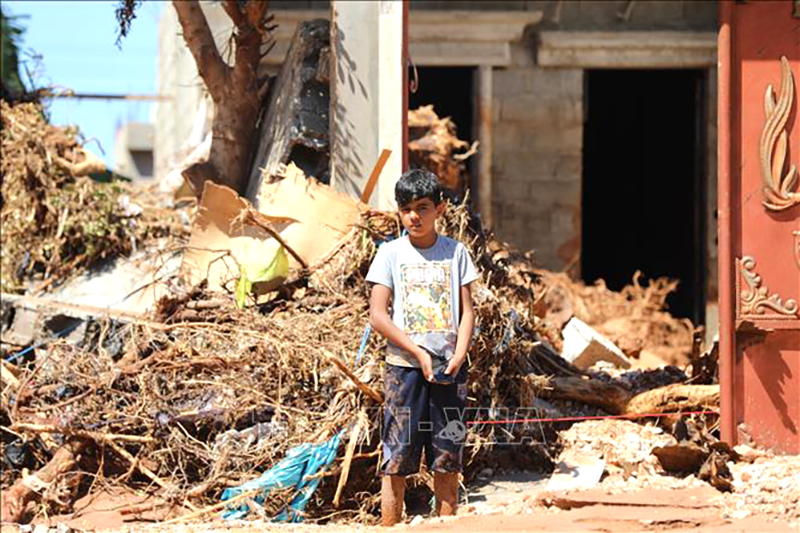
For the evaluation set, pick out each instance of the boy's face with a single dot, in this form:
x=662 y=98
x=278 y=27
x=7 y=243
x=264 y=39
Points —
x=419 y=217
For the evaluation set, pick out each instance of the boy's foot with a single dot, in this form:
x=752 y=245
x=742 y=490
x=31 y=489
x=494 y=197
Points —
x=393 y=489
x=445 y=488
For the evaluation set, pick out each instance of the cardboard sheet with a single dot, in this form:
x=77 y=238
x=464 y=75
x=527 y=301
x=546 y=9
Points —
x=309 y=216
x=324 y=215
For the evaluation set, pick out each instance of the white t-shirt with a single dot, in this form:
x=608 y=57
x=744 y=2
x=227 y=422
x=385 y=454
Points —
x=426 y=285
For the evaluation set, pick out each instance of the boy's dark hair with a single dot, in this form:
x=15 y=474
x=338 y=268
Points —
x=416 y=184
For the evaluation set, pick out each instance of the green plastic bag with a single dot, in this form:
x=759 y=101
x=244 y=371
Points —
x=276 y=269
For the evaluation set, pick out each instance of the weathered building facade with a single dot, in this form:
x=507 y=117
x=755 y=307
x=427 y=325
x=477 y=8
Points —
x=596 y=120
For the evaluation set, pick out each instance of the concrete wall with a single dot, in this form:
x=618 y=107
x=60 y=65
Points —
x=133 y=150
x=366 y=103
x=538 y=143
x=178 y=80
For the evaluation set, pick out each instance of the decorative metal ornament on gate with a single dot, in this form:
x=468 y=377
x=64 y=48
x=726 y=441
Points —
x=754 y=301
x=777 y=186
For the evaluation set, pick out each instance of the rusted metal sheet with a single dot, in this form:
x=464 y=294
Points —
x=759 y=217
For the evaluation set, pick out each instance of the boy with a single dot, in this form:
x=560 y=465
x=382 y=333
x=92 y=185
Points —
x=427 y=278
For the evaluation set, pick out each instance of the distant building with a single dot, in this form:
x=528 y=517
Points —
x=133 y=150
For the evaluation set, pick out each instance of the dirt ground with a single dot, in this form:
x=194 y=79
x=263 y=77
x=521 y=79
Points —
x=765 y=498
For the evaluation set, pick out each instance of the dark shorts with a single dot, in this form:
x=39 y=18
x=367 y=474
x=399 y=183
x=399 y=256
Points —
x=419 y=414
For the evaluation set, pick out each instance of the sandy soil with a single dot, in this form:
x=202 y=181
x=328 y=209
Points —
x=633 y=494
x=515 y=502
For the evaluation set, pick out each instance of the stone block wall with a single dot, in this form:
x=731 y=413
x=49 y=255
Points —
x=537 y=163
x=538 y=121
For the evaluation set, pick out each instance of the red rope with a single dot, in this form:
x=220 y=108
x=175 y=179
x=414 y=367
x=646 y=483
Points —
x=576 y=418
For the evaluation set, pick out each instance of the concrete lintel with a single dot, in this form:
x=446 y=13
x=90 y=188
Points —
x=627 y=49
x=439 y=26
x=463 y=54
x=433 y=54
x=452 y=38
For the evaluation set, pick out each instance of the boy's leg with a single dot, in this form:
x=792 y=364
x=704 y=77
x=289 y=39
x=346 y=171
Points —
x=445 y=488
x=393 y=490
x=405 y=407
x=447 y=412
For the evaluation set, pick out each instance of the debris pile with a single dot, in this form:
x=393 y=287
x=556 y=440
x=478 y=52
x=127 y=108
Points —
x=161 y=410
x=56 y=220
x=624 y=446
x=675 y=457
x=433 y=145
x=204 y=395
x=675 y=452
x=634 y=319
x=764 y=484
x=242 y=362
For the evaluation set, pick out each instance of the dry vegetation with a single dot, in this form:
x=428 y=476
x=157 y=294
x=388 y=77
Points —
x=56 y=220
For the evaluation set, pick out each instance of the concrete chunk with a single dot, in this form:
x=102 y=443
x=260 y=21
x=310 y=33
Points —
x=583 y=346
x=576 y=470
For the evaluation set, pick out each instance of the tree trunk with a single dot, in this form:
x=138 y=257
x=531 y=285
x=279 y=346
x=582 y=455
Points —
x=234 y=90
x=674 y=398
x=617 y=400
x=612 y=398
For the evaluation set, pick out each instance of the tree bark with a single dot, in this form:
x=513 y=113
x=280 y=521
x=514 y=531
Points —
x=674 y=398
x=612 y=398
x=618 y=401
x=234 y=90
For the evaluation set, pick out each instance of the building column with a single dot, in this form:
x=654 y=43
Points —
x=484 y=131
x=367 y=103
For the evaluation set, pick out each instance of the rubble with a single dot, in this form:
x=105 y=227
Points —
x=764 y=484
x=576 y=470
x=56 y=220
x=625 y=446
x=583 y=346
x=184 y=382
x=635 y=319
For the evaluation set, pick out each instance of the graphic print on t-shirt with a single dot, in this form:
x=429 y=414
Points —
x=426 y=296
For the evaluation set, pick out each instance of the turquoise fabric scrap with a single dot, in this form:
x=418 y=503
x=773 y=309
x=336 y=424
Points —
x=300 y=463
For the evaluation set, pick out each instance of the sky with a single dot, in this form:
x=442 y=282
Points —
x=75 y=41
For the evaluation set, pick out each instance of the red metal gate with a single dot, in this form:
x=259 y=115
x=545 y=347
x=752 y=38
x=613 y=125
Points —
x=759 y=221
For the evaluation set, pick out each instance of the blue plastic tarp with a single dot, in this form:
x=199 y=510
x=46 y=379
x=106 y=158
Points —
x=300 y=463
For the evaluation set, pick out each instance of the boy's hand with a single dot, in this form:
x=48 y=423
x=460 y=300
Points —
x=454 y=366
x=425 y=364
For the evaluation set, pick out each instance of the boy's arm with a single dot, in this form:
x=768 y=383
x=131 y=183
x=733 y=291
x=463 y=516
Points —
x=465 y=327
x=381 y=321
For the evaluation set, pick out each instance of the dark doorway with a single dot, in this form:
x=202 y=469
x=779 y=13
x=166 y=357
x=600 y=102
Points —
x=643 y=182
x=450 y=90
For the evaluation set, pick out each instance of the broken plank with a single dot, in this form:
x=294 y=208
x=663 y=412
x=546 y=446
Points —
x=362 y=424
x=376 y=172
